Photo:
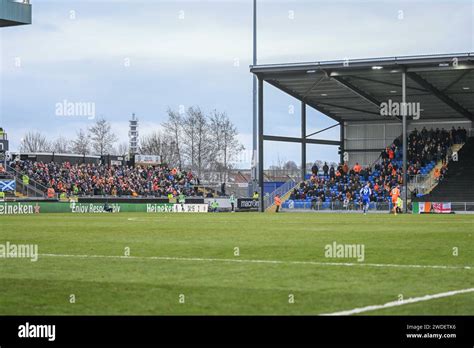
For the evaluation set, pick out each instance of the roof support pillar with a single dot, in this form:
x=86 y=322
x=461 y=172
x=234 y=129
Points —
x=303 y=141
x=404 y=135
x=260 y=144
x=341 y=139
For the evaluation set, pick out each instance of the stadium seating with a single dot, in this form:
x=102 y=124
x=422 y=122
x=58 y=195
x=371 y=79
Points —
x=340 y=185
x=425 y=149
x=114 y=180
x=457 y=185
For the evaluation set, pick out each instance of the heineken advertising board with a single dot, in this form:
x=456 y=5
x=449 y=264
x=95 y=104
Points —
x=26 y=208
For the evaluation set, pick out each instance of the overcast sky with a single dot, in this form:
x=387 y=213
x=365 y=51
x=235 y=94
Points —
x=145 y=56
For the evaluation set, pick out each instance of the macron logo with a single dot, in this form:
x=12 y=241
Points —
x=37 y=331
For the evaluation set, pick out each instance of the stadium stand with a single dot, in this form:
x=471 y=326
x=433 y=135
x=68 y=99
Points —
x=457 y=184
x=427 y=153
x=425 y=149
x=114 y=180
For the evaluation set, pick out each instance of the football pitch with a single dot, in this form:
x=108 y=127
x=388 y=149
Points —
x=238 y=264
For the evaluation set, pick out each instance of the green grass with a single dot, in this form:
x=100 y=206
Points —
x=148 y=286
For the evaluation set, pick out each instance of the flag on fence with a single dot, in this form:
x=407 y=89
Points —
x=442 y=208
x=7 y=185
x=421 y=207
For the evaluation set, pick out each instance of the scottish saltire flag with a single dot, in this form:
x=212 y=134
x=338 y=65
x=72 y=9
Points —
x=442 y=208
x=7 y=185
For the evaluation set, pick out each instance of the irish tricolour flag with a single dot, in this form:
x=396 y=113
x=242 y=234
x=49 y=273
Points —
x=421 y=207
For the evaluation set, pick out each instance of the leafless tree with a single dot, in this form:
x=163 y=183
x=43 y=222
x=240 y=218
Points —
x=151 y=144
x=81 y=145
x=34 y=142
x=121 y=149
x=203 y=144
x=226 y=146
x=101 y=136
x=159 y=144
x=290 y=166
x=173 y=127
x=61 y=145
x=199 y=142
x=188 y=143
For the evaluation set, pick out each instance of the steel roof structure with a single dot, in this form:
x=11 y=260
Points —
x=14 y=12
x=348 y=90
x=356 y=90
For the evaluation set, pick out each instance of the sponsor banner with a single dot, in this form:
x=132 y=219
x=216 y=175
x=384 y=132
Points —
x=29 y=208
x=442 y=208
x=190 y=208
x=247 y=204
x=176 y=208
x=224 y=203
x=159 y=208
x=7 y=185
x=19 y=208
x=84 y=208
x=147 y=159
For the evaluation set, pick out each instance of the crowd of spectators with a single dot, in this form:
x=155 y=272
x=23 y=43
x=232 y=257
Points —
x=114 y=180
x=342 y=184
x=330 y=184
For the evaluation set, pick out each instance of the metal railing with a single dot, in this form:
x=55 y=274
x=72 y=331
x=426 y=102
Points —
x=216 y=189
x=341 y=206
x=457 y=207
x=33 y=188
x=281 y=191
x=423 y=183
x=462 y=207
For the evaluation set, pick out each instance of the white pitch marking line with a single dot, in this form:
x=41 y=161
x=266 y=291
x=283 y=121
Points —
x=169 y=258
x=401 y=303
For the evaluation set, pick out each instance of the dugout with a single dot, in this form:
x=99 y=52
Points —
x=362 y=96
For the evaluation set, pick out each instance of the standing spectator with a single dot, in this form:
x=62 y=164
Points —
x=357 y=168
x=26 y=181
x=345 y=168
x=277 y=200
x=232 y=202
x=325 y=169
x=332 y=172
x=223 y=189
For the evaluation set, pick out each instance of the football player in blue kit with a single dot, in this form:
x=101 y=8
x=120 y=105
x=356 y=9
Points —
x=365 y=193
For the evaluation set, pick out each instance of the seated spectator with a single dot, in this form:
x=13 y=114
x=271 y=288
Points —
x=423 y=147
x=116 y=180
